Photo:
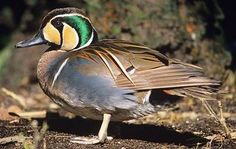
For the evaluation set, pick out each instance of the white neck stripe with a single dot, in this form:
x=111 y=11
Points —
x=88 y=43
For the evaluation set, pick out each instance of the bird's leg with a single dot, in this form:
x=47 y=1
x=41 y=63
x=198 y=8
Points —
x=102 y=135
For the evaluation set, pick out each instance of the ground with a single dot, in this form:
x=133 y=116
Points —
x=187 y=125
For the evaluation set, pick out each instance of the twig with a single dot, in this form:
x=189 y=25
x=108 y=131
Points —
x=31 y=114
x=209 y=109
x=18 y=138
x=38 y=135
x=214 y=138
x=16 y=97
x=221 y=120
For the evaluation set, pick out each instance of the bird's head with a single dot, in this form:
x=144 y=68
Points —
x=65 y=29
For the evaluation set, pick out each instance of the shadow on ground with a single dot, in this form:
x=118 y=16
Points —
x=157 y=134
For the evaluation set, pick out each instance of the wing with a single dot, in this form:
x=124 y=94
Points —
x=134 y=66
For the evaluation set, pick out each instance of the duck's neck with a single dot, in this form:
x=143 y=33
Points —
x=45 y=67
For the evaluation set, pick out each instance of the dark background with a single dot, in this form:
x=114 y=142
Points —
x=134 y=21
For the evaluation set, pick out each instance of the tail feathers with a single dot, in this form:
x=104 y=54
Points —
x=198 y=92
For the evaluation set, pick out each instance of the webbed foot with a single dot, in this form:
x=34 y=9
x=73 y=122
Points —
x=102 y=135
x=89 y=140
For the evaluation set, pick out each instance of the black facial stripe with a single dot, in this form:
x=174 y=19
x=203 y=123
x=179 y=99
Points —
x=57 y=23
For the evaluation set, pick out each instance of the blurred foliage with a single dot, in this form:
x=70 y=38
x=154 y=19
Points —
x=4 y=56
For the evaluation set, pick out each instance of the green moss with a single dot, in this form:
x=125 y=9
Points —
x=4 y=56
x=116 y=30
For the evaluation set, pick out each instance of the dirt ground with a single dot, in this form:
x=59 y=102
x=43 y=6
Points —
x=191 y=135
x=187 y=125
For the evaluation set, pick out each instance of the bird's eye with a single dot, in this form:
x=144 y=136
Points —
x=57 y=23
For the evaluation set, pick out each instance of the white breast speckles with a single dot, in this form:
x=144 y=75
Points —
x=59 y=71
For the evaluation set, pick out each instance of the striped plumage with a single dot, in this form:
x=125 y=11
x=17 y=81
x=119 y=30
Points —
x=108 y=79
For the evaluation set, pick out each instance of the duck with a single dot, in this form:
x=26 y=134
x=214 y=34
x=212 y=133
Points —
x=108 y=79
